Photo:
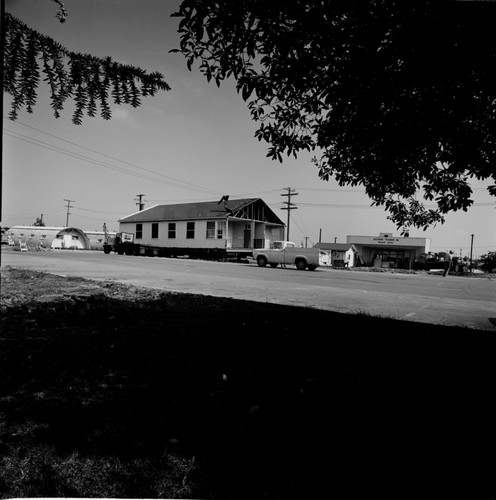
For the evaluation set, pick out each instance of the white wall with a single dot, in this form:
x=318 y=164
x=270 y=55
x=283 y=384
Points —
x=180 y=241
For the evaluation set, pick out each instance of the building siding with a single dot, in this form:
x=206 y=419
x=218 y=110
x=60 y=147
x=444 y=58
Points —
x=180 y=241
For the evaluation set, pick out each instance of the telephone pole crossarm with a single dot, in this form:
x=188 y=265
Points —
x=140 y=202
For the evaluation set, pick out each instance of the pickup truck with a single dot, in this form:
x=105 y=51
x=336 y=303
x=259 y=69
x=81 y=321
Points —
x=287 y=253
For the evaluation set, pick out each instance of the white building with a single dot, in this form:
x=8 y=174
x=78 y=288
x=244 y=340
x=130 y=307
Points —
x=236 y=226
x=340 y=254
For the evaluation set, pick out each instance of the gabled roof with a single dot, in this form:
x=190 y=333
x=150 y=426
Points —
x=204 y=210
x=336 y=247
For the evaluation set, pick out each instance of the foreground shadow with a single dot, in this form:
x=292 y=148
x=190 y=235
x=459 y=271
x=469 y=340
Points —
x=191 y=396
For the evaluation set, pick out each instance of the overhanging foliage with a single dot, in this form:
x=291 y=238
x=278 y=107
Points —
x=399 y=97
x=90 y=81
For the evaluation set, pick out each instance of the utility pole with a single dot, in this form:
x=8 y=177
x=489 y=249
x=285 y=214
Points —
x=68 y=207
x=471 y=248
x=306 y=240
x=140 y=202
x=289 y=206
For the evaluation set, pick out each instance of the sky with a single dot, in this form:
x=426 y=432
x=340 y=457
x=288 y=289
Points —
x=193 y=143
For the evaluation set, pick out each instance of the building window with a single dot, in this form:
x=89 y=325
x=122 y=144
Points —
x=155 y=230
x=221 y=228
x=75 y=237
x=190 y=230
x=172 y=230
x=139 y=231
x=210 y=229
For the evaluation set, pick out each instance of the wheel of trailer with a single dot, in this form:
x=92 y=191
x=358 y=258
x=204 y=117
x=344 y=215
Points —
x=312 y=267
x=261 y=261
x=107 y=249
x=273 y=265
x=120 y=250
x=300 y=264
x=129 y=250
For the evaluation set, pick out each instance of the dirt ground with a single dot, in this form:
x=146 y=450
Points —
x=20 y=287
x=109 y=390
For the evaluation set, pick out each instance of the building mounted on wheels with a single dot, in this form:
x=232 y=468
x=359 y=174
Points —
x=225 y=229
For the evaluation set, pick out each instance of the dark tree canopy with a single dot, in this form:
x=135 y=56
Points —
x=90 y=81
x=398 y=96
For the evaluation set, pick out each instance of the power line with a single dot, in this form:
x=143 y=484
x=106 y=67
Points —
x=97 y=211
x=109 y=166
x=338 y=205
x=256 y=193
x=334 y=190
x=343 y=205
x=111 y=157
x=37 y=142
x=357 y=190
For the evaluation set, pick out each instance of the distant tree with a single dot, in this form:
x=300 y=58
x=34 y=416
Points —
x=488 y=262
x=398 y=96
x=90 y=81
x=39 y=222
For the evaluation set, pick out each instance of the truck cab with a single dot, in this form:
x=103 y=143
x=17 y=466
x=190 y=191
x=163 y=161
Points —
x=281 y=245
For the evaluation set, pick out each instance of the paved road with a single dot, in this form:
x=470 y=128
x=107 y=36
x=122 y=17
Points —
x=424 y=298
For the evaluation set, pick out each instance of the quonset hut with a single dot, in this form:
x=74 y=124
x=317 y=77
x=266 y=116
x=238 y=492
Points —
x=44 y=237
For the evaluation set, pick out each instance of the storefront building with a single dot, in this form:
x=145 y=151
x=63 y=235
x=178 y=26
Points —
x=388 y=251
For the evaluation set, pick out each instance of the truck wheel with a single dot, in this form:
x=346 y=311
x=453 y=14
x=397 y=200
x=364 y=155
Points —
x=273 y=264
x=261 y=261
x=300 y=264
x=107 y=249
x=312 y=267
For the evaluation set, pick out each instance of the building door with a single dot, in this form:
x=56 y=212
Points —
x=247 y=236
